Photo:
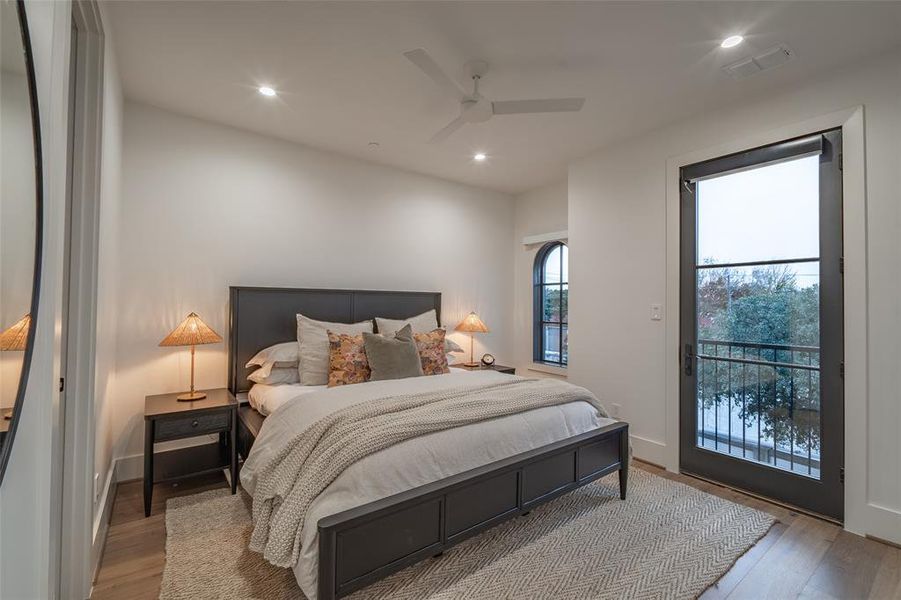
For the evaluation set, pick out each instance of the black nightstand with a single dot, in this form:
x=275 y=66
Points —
x=481 y=367
x=165 y=419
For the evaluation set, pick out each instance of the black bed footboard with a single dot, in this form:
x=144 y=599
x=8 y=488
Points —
x=364 y=544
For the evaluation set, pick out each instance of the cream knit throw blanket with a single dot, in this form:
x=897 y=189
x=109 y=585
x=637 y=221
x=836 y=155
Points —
x=307 y=464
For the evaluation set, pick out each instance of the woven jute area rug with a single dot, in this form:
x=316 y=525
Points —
x=666 y=540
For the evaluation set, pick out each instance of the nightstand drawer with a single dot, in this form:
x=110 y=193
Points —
x=167 y=429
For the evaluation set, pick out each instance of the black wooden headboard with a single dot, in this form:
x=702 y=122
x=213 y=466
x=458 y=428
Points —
x=260 y=317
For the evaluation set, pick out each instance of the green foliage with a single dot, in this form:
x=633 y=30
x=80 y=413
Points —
x=555 y=304
x=765 y=307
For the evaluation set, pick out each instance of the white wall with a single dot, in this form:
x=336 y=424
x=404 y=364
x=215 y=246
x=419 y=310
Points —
x=539 y=211
x=29 y=494
x=107 y=285
x=618 y=241
x=206 y=206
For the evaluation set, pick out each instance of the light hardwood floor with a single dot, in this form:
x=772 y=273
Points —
x=800 y=557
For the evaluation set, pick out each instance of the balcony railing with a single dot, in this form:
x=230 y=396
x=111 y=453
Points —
x=760 y=402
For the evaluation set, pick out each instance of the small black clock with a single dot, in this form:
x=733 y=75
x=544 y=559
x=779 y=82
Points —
x=488 y=360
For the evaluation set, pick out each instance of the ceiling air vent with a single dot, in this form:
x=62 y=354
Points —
x=772 y=57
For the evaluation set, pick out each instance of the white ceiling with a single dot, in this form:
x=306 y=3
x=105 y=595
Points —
x=343 y=82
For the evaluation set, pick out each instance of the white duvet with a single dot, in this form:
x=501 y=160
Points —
x=267 y=399
x=411 y=463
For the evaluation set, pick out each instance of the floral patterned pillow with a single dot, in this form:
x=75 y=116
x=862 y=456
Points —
x=431 y=352
x=347 y=361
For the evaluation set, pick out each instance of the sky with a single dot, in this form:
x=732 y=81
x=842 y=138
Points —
x=766 y=213
x=552 y=266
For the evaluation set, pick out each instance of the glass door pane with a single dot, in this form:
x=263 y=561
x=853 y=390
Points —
x=758 y=315
x=761 y=214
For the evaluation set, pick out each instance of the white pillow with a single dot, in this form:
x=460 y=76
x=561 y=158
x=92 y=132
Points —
x=450 y=346
x=275 y=376
x=312 y=338
x=424 y=323
x=286 y=352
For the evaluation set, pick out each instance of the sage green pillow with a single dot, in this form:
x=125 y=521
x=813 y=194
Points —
x=392 y=357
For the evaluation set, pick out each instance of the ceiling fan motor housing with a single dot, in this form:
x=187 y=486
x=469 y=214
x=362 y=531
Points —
x=475 y=68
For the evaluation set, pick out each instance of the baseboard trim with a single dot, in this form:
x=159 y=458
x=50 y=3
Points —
x=883 y=523
x=101 y=521
x=650 y=451
x=129 y=468
x=121 y=469
x=883 y=541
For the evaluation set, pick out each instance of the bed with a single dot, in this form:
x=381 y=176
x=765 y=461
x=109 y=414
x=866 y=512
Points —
x=429 y=495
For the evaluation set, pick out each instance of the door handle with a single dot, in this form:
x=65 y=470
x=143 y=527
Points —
x=688 y=360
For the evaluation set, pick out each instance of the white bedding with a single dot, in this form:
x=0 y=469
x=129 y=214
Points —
x=266 y=399
x=411 y=463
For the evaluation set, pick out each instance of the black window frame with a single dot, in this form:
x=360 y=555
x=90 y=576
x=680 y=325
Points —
x=538 y=320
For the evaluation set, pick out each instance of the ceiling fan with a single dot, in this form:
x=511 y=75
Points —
x=476 y=108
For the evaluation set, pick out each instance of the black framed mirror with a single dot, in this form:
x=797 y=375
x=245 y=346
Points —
x=21 y=212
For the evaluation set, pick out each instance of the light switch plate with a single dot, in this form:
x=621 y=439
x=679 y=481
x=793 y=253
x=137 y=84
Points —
x=656 y=312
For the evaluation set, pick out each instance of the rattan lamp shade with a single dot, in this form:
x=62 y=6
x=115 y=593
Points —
x=191 y=332
x=472 y=324
x=16 y=337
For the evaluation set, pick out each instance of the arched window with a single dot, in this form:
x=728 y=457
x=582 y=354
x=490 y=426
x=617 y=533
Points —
x=551 y=291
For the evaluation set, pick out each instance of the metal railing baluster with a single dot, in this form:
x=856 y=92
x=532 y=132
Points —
x=772 y=406
x=809 y=413
x=791 y=412
x=744 y=402
x=701 y=365
x=729 y=401
x=796 y=410
x=759 y=408
x=716 y=399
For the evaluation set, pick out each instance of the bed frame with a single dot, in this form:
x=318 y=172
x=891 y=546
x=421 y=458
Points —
x=369 y=542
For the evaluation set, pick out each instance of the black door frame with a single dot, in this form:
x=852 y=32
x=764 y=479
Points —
x=826 y=495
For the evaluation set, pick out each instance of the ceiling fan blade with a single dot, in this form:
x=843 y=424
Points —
x=514 y=107
x=448 y=129
x=421 y=59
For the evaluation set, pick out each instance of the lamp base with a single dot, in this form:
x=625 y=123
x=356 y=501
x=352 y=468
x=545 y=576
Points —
x=190 y=396
x=472 y=364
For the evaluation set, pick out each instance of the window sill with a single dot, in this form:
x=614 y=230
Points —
x=551 y=370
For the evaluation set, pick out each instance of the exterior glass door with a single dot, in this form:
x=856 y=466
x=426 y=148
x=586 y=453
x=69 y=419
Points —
x=762 y=402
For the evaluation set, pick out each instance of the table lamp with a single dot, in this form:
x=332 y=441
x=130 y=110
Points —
x=472 y=324
x=190 y=332
x=16 y=337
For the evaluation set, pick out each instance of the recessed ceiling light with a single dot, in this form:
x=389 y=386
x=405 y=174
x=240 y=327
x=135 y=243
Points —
x=479 y=156
x=732 y=41
x=266 y=90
